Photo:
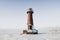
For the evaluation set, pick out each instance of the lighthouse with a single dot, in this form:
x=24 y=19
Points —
x=30 y=19
x=30 y=30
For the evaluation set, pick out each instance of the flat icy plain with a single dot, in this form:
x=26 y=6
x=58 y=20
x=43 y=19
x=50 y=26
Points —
x=15 y=35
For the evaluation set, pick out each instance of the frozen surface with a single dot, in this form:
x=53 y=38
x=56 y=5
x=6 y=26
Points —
x=41 y=37
x=15 y=35
x=12 y=36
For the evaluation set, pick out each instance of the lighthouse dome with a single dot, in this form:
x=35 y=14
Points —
x=30 y=10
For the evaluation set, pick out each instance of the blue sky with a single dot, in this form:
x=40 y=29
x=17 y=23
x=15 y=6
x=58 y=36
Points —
x=13 y=13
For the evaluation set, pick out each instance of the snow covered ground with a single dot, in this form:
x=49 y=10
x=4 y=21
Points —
x=15 y=35
x=30 y=37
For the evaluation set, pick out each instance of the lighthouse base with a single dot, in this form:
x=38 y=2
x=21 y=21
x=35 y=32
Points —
x=33 y=31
